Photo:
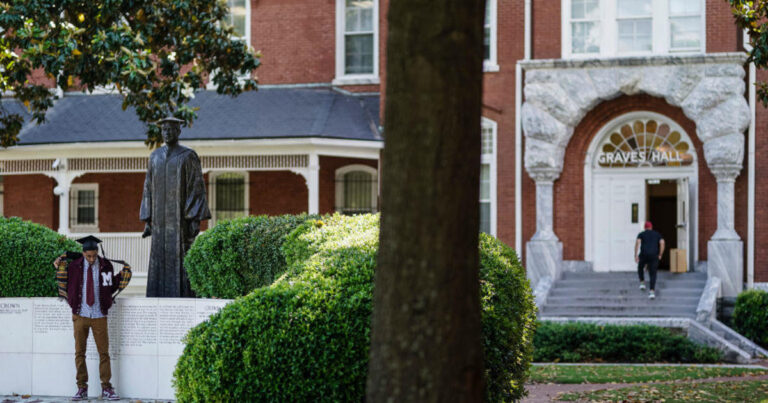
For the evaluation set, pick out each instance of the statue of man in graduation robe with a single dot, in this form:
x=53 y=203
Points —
x=172 y=207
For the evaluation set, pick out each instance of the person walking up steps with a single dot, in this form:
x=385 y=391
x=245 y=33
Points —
x=651 y=246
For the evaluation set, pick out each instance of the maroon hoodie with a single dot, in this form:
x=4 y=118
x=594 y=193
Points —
x=75 y=284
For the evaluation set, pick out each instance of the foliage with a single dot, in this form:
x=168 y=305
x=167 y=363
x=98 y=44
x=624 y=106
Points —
x=750 y=316
x=734 y=391
x=156 y=53
x=576 y=374
x=306 y=337
x=752 y=17
x=585 y=342
x=237 y=256
x=26 y=258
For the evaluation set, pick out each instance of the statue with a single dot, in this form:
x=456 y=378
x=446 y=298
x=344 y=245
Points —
x=172 y=207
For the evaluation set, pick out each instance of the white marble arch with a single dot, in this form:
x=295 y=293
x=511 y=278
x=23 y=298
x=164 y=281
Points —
x=708 y=88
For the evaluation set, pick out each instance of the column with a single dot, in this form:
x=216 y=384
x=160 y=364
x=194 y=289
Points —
x=63 y=179
x=725 y=250
x=544 y=252
x=313 y=184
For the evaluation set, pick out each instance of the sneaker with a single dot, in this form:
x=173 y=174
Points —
x=651 y=295
x=109 y=394
x=642 y=286
x=82 y=394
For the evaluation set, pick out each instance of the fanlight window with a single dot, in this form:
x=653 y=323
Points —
x=644 y=143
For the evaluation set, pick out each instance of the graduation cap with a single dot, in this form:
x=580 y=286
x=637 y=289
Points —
x=90 y=243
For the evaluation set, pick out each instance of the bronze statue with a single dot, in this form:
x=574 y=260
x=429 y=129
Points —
x=172 y=207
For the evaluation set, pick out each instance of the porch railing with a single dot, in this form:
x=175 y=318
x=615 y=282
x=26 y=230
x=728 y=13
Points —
x=127 y=246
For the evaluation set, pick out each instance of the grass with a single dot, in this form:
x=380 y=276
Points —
x=570 y=374
x=737 y=391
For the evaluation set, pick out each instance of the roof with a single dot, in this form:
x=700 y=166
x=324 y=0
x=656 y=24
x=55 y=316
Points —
x=266 y=113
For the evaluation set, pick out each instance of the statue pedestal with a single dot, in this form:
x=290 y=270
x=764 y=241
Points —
x=544 y=258
x=725 y=259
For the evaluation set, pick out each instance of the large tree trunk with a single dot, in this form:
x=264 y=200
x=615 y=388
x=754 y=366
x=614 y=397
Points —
x=425 y=343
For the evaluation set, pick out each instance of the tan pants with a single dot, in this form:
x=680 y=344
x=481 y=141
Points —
x=101 y=337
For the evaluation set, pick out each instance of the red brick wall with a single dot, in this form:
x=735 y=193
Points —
x=722 y=34
x=545 y=29
x=569 y=188
x=119 y=200
x=277 y=192
x=761 y=188
x=31 y=198
x=328 y=167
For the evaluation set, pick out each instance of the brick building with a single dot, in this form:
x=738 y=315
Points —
x=597 y=116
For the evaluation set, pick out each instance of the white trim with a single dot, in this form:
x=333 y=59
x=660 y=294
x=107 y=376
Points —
x=751 y=179
x=492 y=161
x=339 y=189
x=590 y=171
x=608 y=31
x=73 y=225
x=492 y=63
x=212 y=178
x=355 y=79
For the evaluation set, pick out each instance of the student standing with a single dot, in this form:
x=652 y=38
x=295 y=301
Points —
x=651 y=246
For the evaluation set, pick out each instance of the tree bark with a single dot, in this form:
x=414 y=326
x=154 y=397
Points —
x=425 y=342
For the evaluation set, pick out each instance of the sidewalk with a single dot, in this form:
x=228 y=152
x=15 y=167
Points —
x=61 y=399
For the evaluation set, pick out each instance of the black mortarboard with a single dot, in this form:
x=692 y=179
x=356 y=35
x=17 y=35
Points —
x=90 y=243
x=170 y=120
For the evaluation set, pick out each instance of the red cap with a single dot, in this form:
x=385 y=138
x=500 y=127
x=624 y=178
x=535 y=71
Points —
x=648 y=225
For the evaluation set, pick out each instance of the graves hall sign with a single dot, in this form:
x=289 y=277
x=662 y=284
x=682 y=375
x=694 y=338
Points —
x=644 y=143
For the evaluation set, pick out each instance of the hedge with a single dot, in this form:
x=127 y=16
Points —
x=27 y=252
x=306 y=337
x=585 y=342
x=750 y=316
x=237 y=256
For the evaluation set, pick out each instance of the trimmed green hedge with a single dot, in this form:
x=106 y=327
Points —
x=750 y=316
x=237 y=256
x=584 y=342
x=27 y=252
x=306 y=337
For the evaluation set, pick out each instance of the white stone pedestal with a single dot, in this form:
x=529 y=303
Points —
x=726 y=261
x=543 y=258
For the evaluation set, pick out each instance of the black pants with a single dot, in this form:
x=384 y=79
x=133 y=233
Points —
x=653 y=265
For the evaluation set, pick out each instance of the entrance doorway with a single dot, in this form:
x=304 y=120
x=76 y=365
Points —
x=662 y=212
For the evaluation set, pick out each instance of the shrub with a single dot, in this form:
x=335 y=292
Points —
x=237 y=256
x=750 y=316
x=306 y=337
x=585 y=342
x=27 y=253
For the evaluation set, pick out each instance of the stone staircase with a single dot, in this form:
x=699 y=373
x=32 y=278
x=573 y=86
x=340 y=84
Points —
x=616 y=294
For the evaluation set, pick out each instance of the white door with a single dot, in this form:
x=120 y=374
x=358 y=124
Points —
x=683 y=215
x=619 y=212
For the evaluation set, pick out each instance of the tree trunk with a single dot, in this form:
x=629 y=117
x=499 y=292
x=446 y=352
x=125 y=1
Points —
x=425 y=342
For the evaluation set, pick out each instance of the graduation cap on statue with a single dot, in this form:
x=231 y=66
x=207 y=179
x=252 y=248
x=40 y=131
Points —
x=170 y=120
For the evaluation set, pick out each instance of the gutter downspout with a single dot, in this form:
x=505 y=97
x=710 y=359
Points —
x=519 y=133
x=751 y=181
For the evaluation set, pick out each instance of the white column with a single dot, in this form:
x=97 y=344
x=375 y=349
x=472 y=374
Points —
x=313 y=184
x=63 y=179
x=544 y=252
x=725 y=250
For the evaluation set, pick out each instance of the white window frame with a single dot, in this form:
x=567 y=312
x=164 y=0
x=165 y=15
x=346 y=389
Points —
x=609 y=31
x=209 y=85
x=491 y=159
x=73 y=207
x=355 y=79
x=212 y=177
x=339 y=184
x=492 y=63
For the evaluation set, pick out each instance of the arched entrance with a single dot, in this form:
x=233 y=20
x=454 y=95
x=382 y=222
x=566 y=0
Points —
x=640 y=167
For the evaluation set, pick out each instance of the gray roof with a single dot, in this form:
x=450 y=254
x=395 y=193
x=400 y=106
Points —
x=266 y=113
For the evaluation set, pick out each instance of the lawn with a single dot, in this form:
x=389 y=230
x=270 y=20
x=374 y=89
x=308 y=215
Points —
x=570 y=374
x=735 y=391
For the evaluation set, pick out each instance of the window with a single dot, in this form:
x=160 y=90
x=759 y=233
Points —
x=607 y=28
x=357 y=42
x=239 y=12
x=490 y=62
x=356 y=190
x=229 y=196
x=488 y=177
x=84 y=207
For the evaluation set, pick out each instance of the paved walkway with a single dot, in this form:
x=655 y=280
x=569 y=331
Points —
x=61 y=399
x=546 y=392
